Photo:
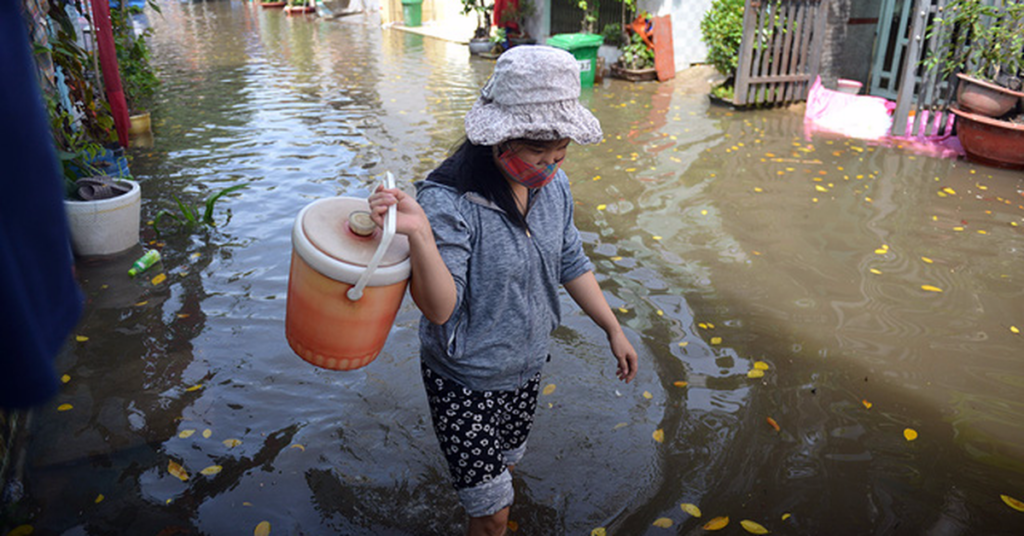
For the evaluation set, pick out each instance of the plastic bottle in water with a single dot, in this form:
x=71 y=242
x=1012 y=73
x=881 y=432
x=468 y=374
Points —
x=144 y=262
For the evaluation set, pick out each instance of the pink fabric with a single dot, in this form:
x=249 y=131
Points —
x=870 y=118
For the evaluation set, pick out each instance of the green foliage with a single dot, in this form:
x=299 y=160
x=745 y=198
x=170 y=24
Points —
x=188 y=216
x=133 y=58
x=722 y=31
x=984 y=40
x=483 y=12
x=636 y=55
x=590 y=10
x=498 y=36
x=613 y=34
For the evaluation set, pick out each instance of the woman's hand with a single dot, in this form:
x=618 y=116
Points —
x=410 y=220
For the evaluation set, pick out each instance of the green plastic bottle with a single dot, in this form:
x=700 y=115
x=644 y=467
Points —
x=144 y=262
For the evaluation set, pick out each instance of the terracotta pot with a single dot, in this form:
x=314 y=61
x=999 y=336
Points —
x=985 y=98
x=990 y=141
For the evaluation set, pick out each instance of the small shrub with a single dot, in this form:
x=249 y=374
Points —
x=722 y=31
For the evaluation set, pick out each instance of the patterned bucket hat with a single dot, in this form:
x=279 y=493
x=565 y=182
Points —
x=533 y=94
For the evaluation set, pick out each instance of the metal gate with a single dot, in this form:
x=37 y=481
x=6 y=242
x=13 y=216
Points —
x=781 y=50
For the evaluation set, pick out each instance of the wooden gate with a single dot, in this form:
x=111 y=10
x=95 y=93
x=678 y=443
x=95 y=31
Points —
x=781 y=50
x=922 y=92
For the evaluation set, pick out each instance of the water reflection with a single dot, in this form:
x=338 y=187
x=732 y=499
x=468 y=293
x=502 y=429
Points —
x=721 y=238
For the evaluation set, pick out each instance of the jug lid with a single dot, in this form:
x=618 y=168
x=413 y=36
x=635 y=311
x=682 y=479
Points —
x=326 y=225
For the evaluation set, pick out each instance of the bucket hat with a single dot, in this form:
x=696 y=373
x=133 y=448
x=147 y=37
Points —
x=533 y=94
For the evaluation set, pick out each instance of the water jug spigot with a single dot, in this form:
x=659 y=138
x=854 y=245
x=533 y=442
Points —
x=356 y=292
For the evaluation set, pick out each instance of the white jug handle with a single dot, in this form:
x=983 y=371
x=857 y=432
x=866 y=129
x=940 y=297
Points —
x=356 y=292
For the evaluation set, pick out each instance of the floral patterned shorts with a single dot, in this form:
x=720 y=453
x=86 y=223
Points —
x=481 y=433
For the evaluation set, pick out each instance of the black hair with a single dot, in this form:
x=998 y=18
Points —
x=473 y=170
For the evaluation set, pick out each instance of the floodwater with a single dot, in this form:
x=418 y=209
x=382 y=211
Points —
x=882 y=290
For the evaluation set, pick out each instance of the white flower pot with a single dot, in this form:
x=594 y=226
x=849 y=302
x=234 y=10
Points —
x=106 y=226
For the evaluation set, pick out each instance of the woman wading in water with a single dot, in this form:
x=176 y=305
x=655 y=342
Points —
x=491 y=238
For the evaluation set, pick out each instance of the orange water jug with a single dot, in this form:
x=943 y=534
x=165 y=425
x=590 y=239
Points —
x=347 y=281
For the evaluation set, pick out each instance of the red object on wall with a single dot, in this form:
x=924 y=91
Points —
x=664 y=54
x=499 y=9
x=111 y=72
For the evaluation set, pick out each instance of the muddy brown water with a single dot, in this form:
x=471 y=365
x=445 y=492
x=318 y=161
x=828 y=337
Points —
x=722 y=238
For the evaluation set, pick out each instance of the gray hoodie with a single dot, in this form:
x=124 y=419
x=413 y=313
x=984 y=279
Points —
x=507 y=283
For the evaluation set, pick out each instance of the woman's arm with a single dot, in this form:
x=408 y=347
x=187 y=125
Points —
x=431 y=285
x=585 y=291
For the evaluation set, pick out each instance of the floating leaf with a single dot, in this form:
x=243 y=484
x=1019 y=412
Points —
x=690 y=509
x=141 y=303
x=64 y=407
x=662 y=522
x=263 y=529
x=717 y=523
x=752 y=527
x=185 y=434
x=1013 y=503
x=99 y=498
x=659 y=435
x=549 y=388
x=755 y=373
x=866 y=403
x=159 y=278
x=602 y=207
x=931 y=288
x=684 y=344
x=298 y=446
x=773 y=424
x=910 y=434
x=716 y=340
x=194 y=388
x=21 y=530
x=81 y=338
x=65 y=378
x=177 y=470
x=926 y=259
x=949 y=190
x=207 y=433
x=599 y=531
x=1014 y=330
x=875 y=271
x=680 y=384
x=620 y=425
x=760 y=365
x=648 y=395
x=785 y=516
x=212 y=470
x=231 y=443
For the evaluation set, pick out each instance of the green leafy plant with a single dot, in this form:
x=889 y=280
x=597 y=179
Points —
x=613 y=34
x=189 y=217
x=483 y=12
x=722 y=31
x=636 y=55
x=985 y=40
x=133 y=58
x=590 y=10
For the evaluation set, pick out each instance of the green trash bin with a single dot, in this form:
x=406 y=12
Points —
x=584 y=48
x=412 y=12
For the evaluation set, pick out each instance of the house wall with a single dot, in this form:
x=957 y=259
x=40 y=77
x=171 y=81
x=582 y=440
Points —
x=853 y=54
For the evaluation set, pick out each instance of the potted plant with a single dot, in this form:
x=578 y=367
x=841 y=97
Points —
x=481 y=42
x=985 y=52
x=138 y=79
x=636 y=62
x=721 y=29
x=513 y=18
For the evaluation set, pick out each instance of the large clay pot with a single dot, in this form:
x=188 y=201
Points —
x=346 y=284
x=105 y=226
x=990 y=141
x=985 y=98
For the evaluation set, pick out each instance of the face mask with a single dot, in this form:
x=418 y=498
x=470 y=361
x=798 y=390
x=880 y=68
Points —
x=525 y=173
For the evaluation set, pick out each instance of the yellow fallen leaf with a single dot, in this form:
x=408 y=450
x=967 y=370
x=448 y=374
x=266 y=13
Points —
x=773 y=424
x=99 y=498
x=1014 y=330
x=65 y=378
x=910 y=434
x=207 y=433
x=717 y=523
x=755 y=373
x=549 y=388
x=931 y=288
x=926 y=259
x=760 y=365
x=690 y=509
x=81 y=338
x=602 y=207
x=648 y=395
x=1013 y=503
x=263 y=529
x=141 y=303
x=64 y=407
x=752 y=527
x=623 y=310
x=659 y=435
x=298 y=446
x=620 y=425
x=786 y=516
x=680 y=384
x=185 y=434
x=949 y=190
x=177 y=470
x=866 y=403
x=599 y=531
x=159 y=278
x=882 y=251
x=21 y=530
x=512 y=525
x=212 y=470
x=820 y=188
x=875 y=271
x=684 y=344
x=231 y=443
x=716 y=340
x=194 y=388
x=662 y=522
